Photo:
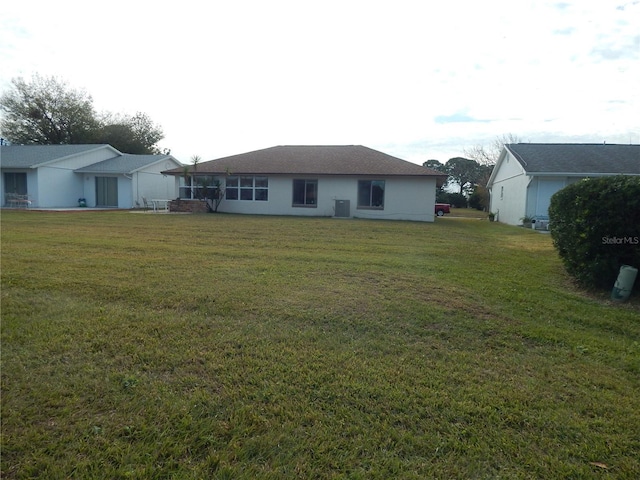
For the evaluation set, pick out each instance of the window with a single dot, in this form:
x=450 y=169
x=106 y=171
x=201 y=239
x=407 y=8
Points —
x=247 y=188
x=200 y=186
x=261 y=189
x=15 y=183
x=371 y=194
x=305 y=193
x=231 y=191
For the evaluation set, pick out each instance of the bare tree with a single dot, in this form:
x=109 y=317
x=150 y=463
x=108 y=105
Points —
x=488 y=155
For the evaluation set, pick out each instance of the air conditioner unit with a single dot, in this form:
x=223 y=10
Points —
x=342 y=209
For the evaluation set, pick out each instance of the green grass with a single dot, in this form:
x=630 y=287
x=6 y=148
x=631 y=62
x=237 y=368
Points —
x=223 y=346
x=467 y=213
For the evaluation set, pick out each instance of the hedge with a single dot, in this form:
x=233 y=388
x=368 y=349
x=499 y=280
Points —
x=595 y=226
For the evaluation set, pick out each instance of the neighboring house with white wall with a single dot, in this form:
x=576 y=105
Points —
x=57 y=176
x=324 y=181
x=526 y=175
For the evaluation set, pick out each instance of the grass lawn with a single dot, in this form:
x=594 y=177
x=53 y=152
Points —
x=223 y=346
x=467 y=213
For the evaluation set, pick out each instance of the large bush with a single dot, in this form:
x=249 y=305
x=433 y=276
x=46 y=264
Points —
x=457 y=200
x=595 y=225
x=479 y=199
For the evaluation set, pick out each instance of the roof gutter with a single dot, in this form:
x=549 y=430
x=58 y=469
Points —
x=200 y=173
x=575 y=174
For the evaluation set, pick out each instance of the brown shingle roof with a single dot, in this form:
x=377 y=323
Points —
x=312 y=160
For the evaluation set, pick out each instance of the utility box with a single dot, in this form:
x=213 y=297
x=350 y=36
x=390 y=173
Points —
x=343 y=208
x=624 y=284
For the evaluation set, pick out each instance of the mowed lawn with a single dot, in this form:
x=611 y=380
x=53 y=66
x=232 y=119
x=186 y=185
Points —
x=223 y=346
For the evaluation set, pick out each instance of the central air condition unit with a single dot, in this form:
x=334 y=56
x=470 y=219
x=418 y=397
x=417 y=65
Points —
x=343 y=209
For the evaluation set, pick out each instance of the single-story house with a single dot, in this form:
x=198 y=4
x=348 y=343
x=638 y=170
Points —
x=327 y=181
x=58 y=176
x=526 y=175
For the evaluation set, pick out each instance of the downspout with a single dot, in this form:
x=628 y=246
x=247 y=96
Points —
x=526 y=198
x=128 y=178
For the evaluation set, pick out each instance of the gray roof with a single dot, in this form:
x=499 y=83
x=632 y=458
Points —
x=577 y=159
x=31 y=156
x=125 y=163
x=313 y=160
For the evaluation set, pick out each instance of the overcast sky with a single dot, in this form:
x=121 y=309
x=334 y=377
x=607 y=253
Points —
x=416 y=79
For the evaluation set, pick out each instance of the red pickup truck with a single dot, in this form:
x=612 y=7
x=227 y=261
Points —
x=442 y=208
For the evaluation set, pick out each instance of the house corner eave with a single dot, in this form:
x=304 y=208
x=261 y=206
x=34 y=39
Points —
x=441 y=180
x=496 y=167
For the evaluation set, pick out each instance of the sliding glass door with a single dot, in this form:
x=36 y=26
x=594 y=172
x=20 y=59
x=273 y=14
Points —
x=106 y=192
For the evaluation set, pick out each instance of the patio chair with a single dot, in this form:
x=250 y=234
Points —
x=17 y=201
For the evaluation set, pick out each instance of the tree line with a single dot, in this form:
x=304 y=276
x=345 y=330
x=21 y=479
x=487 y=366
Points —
x=47 y=111
x=467 y=177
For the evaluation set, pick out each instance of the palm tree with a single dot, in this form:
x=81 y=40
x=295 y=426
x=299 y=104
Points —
x=194 y=161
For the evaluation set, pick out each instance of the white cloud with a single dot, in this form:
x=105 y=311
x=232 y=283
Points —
x=226 y=77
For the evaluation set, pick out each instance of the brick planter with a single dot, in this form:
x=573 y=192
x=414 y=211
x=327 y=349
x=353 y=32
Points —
x=188 y=206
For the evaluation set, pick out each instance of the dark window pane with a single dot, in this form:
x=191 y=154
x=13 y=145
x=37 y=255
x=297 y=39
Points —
x=311 y=196
x=371 y=193
x=262 y=194
x=15 y=183
x=298 y=192
x=377 y=193
x=305 y=192
x=364 y=193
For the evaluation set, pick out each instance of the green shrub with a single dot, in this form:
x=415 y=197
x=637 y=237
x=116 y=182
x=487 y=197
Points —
x=595 y=226
x=479 y=199
x=456 y=200
x=442 y=196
